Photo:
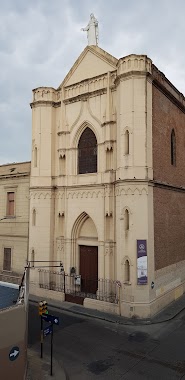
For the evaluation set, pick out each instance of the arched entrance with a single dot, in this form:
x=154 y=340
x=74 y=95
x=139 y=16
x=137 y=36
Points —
x=84 y=258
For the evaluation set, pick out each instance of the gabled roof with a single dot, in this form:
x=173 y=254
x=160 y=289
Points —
x=92 y=62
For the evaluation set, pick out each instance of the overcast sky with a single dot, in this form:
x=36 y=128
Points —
x=41 y=39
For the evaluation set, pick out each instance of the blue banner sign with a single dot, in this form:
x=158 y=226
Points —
x=142 y=270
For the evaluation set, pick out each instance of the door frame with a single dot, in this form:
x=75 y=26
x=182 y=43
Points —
x=90 y=281
x=89 y=242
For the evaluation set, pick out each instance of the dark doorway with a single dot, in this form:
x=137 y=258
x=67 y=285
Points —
x=89 y=268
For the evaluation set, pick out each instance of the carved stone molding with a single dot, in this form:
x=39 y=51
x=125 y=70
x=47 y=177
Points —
x=46 y=195
x=108 y=214
x=46 y=94
x=109 y=249
x=48 y=103
x=62 y=153
x=84 y=97
x=131 y=191
x=63 y=133
x=89 y=85
x=85 y=194
x=126 y=258
x=133 y=62
x=60 y=244
x=109 y=145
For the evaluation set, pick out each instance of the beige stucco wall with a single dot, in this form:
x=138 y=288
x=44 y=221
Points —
x=14 y=230
x=113 y=98
x=13 y=334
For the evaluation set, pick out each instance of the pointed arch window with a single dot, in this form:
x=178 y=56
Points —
x=62 y=164
x=127 y=271
x=32 y=258
x=87 y=152
x=34 y=218
x=126 y=220
x=173 y=148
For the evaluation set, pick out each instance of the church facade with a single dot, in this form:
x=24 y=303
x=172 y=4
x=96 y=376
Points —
x=107 y=185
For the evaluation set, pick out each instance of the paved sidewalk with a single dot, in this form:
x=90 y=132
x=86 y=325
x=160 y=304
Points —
x=165 y=315
x=39 y=369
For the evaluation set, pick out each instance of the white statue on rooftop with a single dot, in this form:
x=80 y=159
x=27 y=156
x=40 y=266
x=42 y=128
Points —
x=92 y=30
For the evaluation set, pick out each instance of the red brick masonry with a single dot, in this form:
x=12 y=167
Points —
x=169 y=197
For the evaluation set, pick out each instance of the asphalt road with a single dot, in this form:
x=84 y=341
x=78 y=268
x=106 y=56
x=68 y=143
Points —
x=92 y=349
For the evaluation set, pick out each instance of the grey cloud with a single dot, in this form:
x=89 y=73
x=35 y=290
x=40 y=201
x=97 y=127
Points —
x=40 y=40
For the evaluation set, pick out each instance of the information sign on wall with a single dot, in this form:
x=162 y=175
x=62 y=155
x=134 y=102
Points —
x=142 y=271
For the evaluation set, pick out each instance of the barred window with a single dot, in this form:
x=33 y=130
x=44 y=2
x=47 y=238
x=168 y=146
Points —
x=87 y=152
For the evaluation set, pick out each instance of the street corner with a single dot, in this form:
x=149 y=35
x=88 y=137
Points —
x=39 y=369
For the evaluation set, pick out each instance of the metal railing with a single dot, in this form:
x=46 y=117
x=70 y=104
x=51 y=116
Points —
x=100 y=289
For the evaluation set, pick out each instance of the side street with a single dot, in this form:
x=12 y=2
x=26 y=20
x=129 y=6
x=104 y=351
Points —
x=90 y=347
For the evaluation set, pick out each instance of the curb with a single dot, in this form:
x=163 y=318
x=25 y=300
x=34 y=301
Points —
x=130 y=322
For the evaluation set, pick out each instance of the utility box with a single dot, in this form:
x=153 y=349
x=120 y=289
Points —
x=77 y=279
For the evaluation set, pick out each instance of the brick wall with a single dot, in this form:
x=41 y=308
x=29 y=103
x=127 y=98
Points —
x=167 y=116
x=169 y=203
x=169 y=227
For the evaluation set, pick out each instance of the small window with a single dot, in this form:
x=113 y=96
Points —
x=32 y=258
x=173 y=148
x=109 y=159
x=10 y=204
x=62 y=165
x=126 y=220
x=34 y=218
x=127 y=142
x=127 y=271
x=7 y=259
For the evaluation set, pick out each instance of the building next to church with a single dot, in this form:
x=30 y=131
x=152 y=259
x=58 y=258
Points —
x=14 y=220
x=107 y=185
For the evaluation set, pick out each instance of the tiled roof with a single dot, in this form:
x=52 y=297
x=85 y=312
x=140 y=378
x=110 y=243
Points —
x=8 y=294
